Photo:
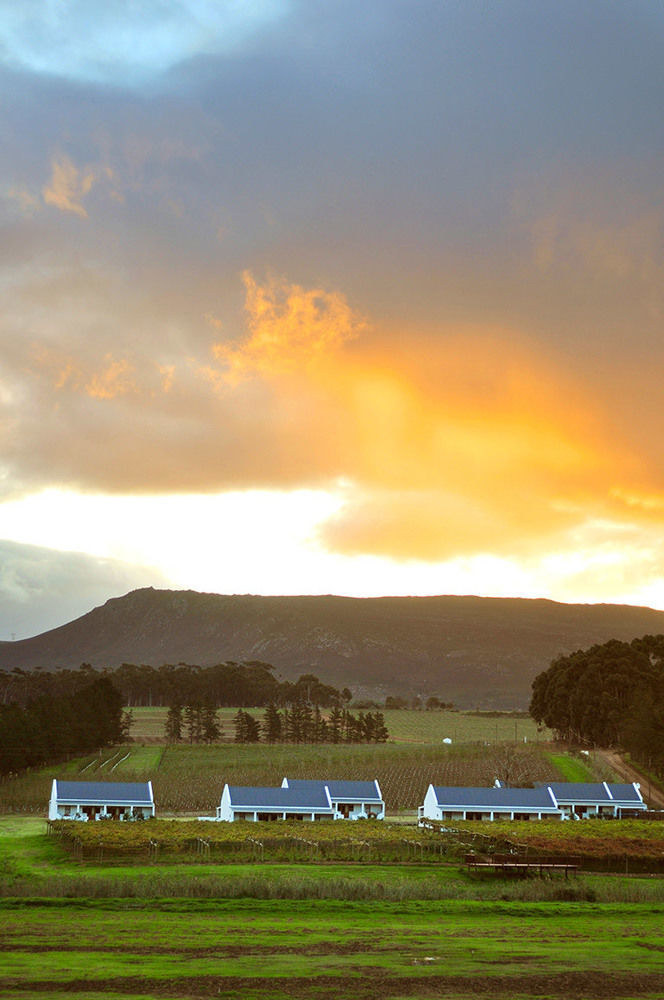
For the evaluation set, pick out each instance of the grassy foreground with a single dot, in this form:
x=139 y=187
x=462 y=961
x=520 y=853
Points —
x=420 y=929
x=280 y=949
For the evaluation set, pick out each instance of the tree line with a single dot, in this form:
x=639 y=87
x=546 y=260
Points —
x=607 y=695
x=51 y=727
x=302 y=722
x=228 y=684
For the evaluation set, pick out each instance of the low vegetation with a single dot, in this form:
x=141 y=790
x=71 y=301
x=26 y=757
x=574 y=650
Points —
x=604 y=844
x=190 y=779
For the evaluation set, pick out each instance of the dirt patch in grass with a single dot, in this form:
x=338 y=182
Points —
x=218 y=951
x=372 y=984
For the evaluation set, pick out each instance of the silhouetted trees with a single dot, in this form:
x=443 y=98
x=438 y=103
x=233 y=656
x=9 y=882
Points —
x=305 y=723
x=53 y=726
x=608 y=695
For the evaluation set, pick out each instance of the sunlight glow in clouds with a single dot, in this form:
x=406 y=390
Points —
x=455 y=462
x=224 y=543
x=327 y=297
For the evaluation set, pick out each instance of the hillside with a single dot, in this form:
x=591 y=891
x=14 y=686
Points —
x=473 y=651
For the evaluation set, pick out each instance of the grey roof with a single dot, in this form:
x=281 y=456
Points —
x=104 y=792
x=575 y=791
x=625 y=793
x=365 y=790
x=362 y=791
x=248 y=797
x=527 y=799
x=599 y=792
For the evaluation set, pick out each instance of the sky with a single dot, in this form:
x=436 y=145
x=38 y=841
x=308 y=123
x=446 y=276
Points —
x=330 y=298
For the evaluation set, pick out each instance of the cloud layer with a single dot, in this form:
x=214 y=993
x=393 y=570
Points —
x=41 y=589
x=413 y=256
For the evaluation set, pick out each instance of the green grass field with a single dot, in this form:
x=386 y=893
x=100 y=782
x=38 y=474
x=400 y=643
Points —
x=390 y=912
x=405 y=726
x=422 y=929
x=284 y=949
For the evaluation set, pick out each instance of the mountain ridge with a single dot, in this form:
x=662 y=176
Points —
x=475 y=651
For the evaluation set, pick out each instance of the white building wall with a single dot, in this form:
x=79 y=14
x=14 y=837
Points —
x=430 y=808
x=53 y=802
x=225 y=811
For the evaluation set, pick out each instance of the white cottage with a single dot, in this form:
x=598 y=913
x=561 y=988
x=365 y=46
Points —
x=258 y=804
x=450 y=803
x=602 y=799
x=350 y=799
x=85 y=800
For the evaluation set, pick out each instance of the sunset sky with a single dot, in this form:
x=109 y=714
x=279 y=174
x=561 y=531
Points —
x=331 y=297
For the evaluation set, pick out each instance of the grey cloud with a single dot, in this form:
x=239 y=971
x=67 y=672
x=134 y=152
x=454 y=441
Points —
x=41 y=589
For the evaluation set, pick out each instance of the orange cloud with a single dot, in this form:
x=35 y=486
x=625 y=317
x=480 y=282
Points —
x=114 y=380
x=68 y=186
x=450 y=441
x=468 y=444
x=469 y=441
x=289 y=328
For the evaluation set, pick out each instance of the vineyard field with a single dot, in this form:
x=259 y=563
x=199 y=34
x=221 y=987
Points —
x=189 y=780
x=404 y=726
x=604 y=845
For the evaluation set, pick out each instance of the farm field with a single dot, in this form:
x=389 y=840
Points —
x=404 y=725
x=320 y=931
x=188 y=780
x=284 y=949
x=385 y=861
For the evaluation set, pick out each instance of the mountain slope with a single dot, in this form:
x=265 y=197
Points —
x=471 y=650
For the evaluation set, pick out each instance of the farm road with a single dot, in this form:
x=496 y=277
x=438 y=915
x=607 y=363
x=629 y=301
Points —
x=652 y=794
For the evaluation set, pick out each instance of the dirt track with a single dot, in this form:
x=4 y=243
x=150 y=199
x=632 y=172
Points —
x=653 y=796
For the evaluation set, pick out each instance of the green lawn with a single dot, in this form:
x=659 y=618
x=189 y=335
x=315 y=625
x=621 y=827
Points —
x=572 y=768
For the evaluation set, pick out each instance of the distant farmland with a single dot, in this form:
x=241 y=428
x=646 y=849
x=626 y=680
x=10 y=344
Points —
x=188 y=780
x=405 y=726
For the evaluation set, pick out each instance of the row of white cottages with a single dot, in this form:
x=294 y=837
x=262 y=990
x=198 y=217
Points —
x=294 y=799
x=352 y=800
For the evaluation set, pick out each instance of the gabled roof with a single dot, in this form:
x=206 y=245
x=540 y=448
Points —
x=367 y=791
x=361 y=791
x=574 y=792
x=103 y=792
x=527 y=799
x=629 y=794
x=248 y=797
